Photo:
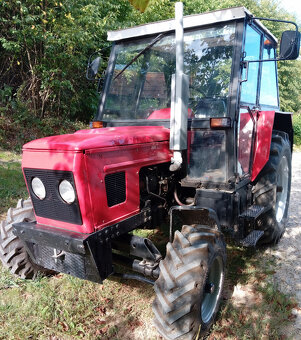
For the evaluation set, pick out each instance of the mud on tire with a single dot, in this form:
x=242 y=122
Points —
x=189 y=288
x=12 y=252
x=272 y=187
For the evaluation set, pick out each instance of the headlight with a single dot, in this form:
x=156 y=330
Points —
x=38 y=188
x=67 y=192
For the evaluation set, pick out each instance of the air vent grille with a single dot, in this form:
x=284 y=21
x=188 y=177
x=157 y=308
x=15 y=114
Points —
x=115 y=188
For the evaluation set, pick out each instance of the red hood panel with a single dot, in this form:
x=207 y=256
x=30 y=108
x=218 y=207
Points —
x=95 y=138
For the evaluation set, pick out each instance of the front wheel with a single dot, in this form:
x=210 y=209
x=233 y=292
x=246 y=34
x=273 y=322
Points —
x=189 y=288
x=13 y=254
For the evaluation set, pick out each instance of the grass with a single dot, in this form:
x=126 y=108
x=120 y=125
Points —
x=12 y=185
x=62 y=307
x=256 y=309
x=66 y=308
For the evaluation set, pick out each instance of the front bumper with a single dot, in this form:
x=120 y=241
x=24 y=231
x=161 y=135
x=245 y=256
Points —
x=86 y=256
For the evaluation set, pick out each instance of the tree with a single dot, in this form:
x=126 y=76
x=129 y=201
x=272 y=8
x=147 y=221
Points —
x=44 y=47
x=140 y=4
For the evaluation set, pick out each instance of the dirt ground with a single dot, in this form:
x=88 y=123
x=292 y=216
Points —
x=288 y=252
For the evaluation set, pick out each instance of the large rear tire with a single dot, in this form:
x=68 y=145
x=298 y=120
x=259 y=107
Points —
x=189 y=288
x=13 y=254
x=272 y=188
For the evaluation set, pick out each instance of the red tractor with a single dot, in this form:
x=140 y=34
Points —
x=188 y=131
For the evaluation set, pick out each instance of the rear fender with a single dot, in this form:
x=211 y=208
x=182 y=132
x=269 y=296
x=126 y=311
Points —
x=267 y=122
x=284 y=122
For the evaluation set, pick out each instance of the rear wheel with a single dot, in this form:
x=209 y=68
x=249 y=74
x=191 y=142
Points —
x=272 y=188
x=13 y=254
x=189 y=288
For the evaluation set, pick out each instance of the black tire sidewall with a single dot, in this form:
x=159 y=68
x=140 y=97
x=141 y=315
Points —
x=283 y=221
x=216 y=252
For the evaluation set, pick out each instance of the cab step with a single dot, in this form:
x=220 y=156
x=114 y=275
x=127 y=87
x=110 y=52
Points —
x=253 y=212
x=252 y=239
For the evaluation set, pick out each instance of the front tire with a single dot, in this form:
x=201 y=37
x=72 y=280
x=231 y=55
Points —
x=189 y=288
x=273 y=187
x=13 y=254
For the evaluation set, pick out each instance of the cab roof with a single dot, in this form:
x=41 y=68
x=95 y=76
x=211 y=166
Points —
x=189 y=21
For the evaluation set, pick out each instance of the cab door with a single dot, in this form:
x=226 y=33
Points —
x=259 y=92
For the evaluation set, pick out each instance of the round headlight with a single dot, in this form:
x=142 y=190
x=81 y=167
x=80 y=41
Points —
x=67 y=192
x=38 y=188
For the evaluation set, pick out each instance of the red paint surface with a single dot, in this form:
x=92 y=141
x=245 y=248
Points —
x=265 y=124
x=165 y=114
x=106 y=137
x=107 y=150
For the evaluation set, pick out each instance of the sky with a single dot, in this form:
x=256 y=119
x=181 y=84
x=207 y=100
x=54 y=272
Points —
x=292 y=6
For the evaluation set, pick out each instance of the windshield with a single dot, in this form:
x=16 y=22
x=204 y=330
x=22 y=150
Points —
x=142 y=90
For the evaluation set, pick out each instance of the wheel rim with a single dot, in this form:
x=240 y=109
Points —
x=213 y=288
x=282 y=189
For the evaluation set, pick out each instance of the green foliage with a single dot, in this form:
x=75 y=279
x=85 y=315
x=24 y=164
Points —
x=44 y=51
x=21 y=127
x=297 y=129
x=290 y=85
x=45 y=45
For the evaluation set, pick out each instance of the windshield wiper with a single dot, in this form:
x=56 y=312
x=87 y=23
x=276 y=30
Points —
x=151 y=44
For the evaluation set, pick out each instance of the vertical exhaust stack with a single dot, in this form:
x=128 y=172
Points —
x=179 y=96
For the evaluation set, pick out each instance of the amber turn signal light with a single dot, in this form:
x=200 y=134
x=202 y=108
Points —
x=267 y=42
x=97 y=124
x=218 y=123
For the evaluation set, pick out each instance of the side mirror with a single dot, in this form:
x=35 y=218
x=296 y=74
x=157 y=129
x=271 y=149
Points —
x=93 y=67
x=289 y=45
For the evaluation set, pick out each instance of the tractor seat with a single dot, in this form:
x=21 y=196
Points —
x=210 y=107
x=165 y=114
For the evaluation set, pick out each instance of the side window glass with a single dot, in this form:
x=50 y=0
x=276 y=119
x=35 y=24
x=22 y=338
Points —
x=268 y=85
x=252 y=50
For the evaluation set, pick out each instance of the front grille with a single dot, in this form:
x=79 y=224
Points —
x=53 y=206
x=115 y=188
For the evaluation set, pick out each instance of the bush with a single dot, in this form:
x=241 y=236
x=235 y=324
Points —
x=19 y=127
x=297 y=128
x=44 y=47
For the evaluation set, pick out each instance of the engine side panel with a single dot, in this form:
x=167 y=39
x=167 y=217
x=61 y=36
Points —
x=101 y=163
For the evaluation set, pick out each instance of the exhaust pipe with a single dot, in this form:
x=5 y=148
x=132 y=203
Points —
x=179 y=96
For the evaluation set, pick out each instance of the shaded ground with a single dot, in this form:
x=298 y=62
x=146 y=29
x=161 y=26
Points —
x=288 y=252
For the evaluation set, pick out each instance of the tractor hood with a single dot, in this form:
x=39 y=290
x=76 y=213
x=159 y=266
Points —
x=98 y=138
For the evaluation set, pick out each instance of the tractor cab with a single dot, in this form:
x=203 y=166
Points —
x=224 y=86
